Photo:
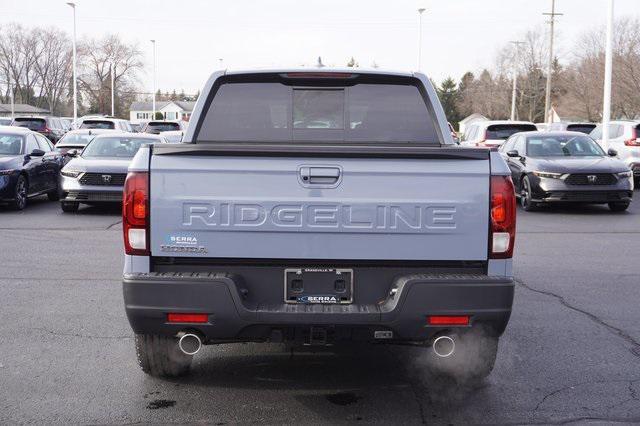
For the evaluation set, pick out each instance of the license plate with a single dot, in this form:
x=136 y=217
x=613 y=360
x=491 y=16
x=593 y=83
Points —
x=318 y=286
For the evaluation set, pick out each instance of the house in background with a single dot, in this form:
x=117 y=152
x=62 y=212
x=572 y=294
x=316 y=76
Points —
x=21 y=109
x=170 y=110
x=462 y=125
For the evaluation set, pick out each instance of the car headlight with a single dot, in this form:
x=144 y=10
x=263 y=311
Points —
x=70 y=173
x=549 y=175
x=626 y=174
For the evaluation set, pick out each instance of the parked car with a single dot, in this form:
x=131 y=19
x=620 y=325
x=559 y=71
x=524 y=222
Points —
x=624 y=137
x=135 y=127
x=365 y=234
x=97 y=174
x=542 y=127
x=585 y=128
x=50 y=127
x=78 y=139
x=66 y=123
x=29 y=166
x=106 y=123
x=158 y=126
x=568 y=167
x=5 y=121
x=492 y=134
x=173 y=136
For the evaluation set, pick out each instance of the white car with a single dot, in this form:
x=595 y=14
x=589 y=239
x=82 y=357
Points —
x=105 y=122
x=624 y=137
x=173 y=136
x=492 y=134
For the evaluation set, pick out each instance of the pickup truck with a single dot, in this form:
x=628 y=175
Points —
x=318 y=207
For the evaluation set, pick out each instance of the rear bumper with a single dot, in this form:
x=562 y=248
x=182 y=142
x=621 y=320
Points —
x=149 y=297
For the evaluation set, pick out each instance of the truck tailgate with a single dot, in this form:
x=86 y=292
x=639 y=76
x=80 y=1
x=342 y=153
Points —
x=319 y=208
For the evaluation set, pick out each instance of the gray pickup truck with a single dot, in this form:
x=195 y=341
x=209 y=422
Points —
x=315 y=207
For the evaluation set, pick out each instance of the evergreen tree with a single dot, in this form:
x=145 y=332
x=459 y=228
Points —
x=449 y=95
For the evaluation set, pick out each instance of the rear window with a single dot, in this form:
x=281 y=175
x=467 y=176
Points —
x=582 y=128
x=504 y=131
x=11 y=144
x=97 y=124
x=31 y=123
x=163 y=127
x=75 y=139
x=275 y=112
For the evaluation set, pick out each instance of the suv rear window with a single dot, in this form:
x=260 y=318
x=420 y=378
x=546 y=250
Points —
x=582 y=128
x=504 y=131
x=31 y=123
x=163 y=127
x=275 y=112
x=97 y=124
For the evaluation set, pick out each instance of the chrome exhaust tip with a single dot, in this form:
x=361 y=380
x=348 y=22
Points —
x=190 y=344
x=444 y=346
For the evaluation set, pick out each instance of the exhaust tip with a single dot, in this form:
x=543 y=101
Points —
x=444 y=346
x=190 y=344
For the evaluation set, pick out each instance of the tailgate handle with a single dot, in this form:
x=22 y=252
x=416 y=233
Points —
x=320 y=175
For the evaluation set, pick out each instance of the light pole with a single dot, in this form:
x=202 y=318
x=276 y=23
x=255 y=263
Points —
x=153 y=117
x=516 y=45
x=75 y=76
x=547 y=97
x=112 y=70
x=420 y=11
x=608 y=70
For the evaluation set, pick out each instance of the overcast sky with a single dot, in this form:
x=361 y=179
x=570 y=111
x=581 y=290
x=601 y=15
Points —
x=192 y=35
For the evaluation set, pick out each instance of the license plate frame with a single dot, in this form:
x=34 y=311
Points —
x=318 y=286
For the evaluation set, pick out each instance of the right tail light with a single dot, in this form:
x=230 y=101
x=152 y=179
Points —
x=634 y=141
x=135 y=214
x=503 y=218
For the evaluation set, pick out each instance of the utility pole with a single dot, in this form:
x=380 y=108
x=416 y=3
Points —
x=420 y=11
x=112 y=70
x=608 y=70
x=13 y=109
x=75 y=75
x=516 y=47
x=547 y=97
x=153 y=117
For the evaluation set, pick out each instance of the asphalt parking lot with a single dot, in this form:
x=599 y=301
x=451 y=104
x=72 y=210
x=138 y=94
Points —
x=571 y=352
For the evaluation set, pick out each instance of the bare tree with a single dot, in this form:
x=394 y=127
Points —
x=53 y=65
x=95 y=57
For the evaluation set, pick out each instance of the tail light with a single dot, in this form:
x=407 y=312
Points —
x=484 y=138
x=634 y=141
x=448 y=320
x=177 y=317
x=503 y=218
x=135 y=213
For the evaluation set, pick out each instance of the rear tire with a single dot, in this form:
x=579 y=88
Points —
x=69 y=207
x=21 y=190
x=472 y=361
x=619 y=207
x=159 y=356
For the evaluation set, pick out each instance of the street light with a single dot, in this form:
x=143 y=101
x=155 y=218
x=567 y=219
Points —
x=153 y=117
x=112 y=69
x=608 y=69
x=420 y=11
x=516 y=45
x=75 y=83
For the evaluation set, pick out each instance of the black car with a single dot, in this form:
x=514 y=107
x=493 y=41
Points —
x=549 y=167
x=51 y=127
x=29 y=166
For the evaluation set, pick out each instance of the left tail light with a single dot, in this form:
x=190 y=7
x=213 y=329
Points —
x=634 y=141
x=135 y=214
x=503 y=218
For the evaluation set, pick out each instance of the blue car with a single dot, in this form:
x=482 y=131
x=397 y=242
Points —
x=29 y=166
